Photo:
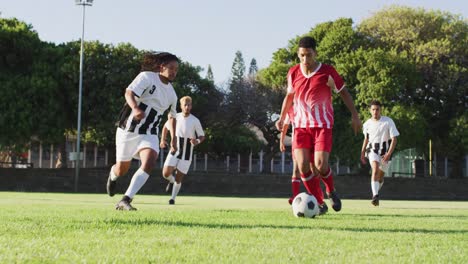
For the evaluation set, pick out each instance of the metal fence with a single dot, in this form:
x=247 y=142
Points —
x=405 y=163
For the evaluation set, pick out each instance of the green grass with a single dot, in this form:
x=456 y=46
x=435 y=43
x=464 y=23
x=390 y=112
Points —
x=85 y=228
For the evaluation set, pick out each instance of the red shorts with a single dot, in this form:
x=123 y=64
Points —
x=313 y=138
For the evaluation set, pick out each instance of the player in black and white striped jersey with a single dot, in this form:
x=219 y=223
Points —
x=189 y=133
x=148 y=96
x=379 y=143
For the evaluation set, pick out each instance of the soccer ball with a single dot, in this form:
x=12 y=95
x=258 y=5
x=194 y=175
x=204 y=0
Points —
x=305 y=205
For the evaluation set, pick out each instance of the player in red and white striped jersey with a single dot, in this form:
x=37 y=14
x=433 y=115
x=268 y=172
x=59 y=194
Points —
x=310 y=86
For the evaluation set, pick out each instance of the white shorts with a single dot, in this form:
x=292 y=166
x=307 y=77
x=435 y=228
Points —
x=383 y=166
x=181 y=165
x=128 y=145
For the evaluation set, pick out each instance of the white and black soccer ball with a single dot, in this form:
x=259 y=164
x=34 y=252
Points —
x=305 y=205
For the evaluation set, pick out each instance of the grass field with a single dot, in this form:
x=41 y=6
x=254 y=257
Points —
x=85 y=228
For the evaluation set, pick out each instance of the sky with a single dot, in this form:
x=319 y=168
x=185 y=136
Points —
x=202 y=32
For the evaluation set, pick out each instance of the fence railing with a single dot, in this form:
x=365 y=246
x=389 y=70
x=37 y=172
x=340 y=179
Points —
x=406 y=163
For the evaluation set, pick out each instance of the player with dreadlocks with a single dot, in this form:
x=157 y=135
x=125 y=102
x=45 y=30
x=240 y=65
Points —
x=148 y=96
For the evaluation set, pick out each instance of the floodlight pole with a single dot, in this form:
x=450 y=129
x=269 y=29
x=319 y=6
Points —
x=83 y=3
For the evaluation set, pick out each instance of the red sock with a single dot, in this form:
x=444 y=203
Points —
x=328 y=181
x=311 y=182
x=319 y=191
x=296 y=186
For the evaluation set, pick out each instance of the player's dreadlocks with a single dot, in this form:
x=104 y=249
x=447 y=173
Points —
x=153 y=60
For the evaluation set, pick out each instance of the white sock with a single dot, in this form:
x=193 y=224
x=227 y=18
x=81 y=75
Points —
x=170 y=178
x=175 y=190
x=138 y=180
x=375 y=187
x=112 y=174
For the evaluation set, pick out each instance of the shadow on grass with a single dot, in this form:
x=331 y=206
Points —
x=130 y=222
x=355 y=216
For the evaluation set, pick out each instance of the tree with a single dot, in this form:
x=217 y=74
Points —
x=253 y=69
x=435 y=42
x=209 y=74
x=238 y=68
x=27 y=86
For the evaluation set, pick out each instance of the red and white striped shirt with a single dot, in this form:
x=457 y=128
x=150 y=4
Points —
x=312 y=104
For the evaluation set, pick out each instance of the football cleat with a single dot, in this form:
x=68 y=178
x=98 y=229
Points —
x=375 y=200
x=125 y=205
x=111 y=186
x=171 y=201
x=335 y=201
x=323 y=209
x=290 y=200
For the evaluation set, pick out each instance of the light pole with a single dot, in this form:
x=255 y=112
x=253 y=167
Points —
x=83 y=3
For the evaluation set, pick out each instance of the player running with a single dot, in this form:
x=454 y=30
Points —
x=309 y=93
x=189 y=133
x=295 y=178
x=379 y=143
x=148 y=96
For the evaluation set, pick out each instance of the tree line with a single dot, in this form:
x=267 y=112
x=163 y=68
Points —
x=413 y=60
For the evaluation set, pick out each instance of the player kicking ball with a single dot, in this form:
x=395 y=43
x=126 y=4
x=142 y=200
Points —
x=189 y=133
x=309 y=94
x=148 y=96
x=379 y=143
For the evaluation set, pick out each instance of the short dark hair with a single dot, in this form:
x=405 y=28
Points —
x=308 y=43
x=152 y=60
x=375 y=102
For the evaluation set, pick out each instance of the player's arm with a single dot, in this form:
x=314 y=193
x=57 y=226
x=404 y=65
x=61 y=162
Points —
x=282 y=136
x=348 y=101
x=387 y=155
x=165 y=129
x=201 y=134
x=138 y=114
x=363 y=150
x=198 y=140
x=171 y=117
x=287 y=103
x=172 y=124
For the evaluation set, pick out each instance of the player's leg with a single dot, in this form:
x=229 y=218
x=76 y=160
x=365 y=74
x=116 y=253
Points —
x=125 y=146
x=323 y=145
x=148 y=158
x=169 y=168
x=182 y=169
x=319 y=193
x=295 y=182
x=309 y=180
x=375 y=184
x=177 y=185
x=383 y=170
x=119 y=169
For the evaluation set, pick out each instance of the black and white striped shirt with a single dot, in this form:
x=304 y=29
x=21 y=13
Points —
x=154 y=98
x=187 y=128
x=379 y=134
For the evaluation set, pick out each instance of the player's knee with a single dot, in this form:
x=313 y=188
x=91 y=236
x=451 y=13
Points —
x=120 y=169
x=322 y=168
x=166 y=172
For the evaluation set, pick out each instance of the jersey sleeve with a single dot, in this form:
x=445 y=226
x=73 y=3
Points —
x=139 y=84
x=173 y=109
x=393 y=130
x=167 y=125
x=199 y=129
x=336 y=79
x=287 y=121
x=290 y=88
x=365 y=130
